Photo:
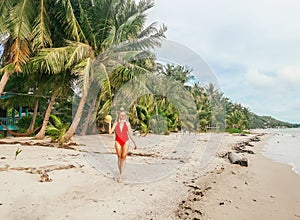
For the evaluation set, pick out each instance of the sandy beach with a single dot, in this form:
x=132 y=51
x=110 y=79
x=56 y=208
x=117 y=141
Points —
x=180 y=176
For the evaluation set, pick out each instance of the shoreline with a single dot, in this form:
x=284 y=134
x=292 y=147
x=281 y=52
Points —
x=82 y=192
x=266 y=189
x=278 y=155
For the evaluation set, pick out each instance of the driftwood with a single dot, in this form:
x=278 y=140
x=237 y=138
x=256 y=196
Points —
x=241 y=147
x=236 y=159
x=50 y=168
x=45 y=143
x=42 y=171
x=142 y=154
x=255 y=139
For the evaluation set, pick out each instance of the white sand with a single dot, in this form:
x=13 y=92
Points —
x=155 y=185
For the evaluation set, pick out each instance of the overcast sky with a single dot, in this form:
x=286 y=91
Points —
x=253 y=48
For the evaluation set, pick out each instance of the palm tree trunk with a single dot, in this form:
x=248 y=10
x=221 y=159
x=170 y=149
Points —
x=88 y=118
x=36 y=106
x=3 y=81
x=41 y=134
x=69 y=134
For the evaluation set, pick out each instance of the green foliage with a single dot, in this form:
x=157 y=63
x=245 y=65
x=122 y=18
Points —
x=236 y=130
x=55 y=43
x=267 y=122
x=24 y=122
x=57 y=129
x=18 y=151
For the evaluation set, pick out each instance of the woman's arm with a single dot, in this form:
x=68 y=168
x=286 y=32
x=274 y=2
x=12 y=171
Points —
x=111 y=129
x=130 y=135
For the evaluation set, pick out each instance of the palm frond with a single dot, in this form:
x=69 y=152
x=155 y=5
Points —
x=128 y=23
x=79 y=51
x=41 y=32
x=85 y=74
x=56 y=120
x=108 y=42
x=20 y=52
x=86 y=25
x=5 y=7
x=19 y=23
x=73 y=27
x=52 y=60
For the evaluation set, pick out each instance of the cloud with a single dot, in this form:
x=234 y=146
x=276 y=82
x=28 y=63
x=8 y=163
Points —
x=253 y=47
x=291 y=76
x=264 y=33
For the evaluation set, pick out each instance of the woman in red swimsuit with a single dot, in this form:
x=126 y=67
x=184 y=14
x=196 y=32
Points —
x=122 y=130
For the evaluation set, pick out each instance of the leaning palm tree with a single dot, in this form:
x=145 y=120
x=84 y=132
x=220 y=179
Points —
x=57 y=85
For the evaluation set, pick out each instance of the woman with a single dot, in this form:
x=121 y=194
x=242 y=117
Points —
x=122 y=130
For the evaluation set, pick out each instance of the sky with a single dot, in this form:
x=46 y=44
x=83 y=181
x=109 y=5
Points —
x=252 y=47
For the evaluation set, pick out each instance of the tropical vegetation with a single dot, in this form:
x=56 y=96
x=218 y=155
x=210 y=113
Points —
x=68 y=60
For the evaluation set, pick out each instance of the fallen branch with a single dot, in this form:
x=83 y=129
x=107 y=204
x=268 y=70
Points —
x=49 y=168
x=142 y=154
x=40 y=170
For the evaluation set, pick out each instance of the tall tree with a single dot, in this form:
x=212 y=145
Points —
x=108 y=34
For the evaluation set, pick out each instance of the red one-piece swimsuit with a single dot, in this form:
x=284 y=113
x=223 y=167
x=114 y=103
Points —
x=121 y=135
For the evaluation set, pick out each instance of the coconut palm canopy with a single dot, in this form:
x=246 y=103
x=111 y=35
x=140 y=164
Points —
x=89 y=50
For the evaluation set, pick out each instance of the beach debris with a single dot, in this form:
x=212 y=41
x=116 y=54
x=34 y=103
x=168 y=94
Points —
x=255 y=139
x=3 y=158
x=236 y=159
x=18 y=151
x=73 y=155
x=26 y=141
x=143 y=154
x=4 y=168
x=187 y=211
x=222 y=154
x=254 y=200
x=42 y=171
x=241 y=148
x=50 y=168
x=221 y=203
x=45 y=177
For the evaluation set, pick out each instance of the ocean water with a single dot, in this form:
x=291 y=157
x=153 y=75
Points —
x=284 y=147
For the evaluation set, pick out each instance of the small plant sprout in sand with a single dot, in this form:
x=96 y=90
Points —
x=18 y=151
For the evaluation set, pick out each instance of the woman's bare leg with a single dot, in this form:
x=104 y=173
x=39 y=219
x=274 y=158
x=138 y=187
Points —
x=125 y=149
x=119 y=154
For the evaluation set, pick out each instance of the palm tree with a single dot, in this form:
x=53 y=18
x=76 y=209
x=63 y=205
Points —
x=237 y=117
x=25 y=25
x=58 y=86
x=57 y=128
x=95 y=54
x=203 y=106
